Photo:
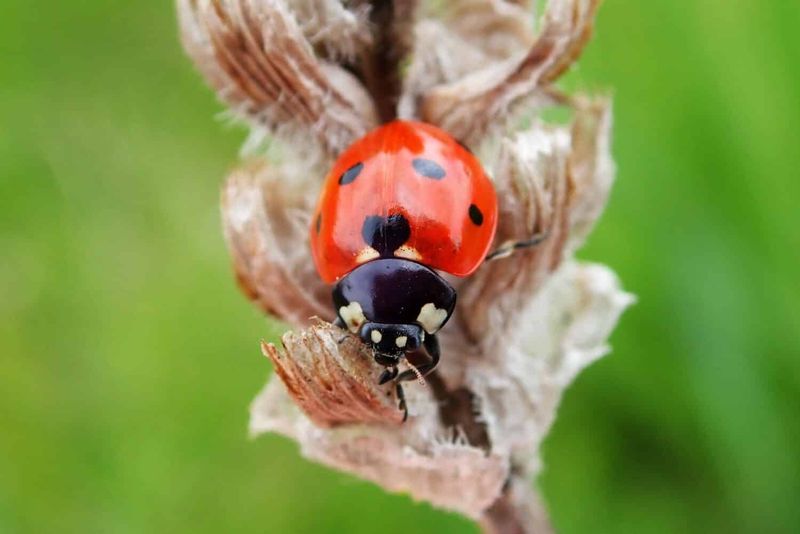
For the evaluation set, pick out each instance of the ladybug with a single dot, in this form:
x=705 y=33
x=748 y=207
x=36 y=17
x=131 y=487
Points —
x=400 y=205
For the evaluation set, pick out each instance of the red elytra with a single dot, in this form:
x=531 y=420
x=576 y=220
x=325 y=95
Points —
x=417 y=171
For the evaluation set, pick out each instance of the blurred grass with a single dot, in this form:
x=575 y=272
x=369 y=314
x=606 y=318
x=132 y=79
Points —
x=127 y=357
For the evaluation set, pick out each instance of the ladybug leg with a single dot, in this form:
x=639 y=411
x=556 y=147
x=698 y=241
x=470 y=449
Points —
x=338 y=322
x=402 y=397
x=432 y=346
x=509 y=247
x=387 y=375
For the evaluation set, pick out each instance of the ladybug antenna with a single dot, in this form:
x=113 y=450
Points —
x=420 y=378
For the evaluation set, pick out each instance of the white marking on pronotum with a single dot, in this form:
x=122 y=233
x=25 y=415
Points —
x=409 y=253
x=366 y=254
x=376 y=336
x=401 y=341
x=431 y=317
x=352 y=315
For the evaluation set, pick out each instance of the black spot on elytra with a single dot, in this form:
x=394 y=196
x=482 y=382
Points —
x=428 y=168
x=318 y=224
x=386 y=234
x=351 y=174
x=475 y=215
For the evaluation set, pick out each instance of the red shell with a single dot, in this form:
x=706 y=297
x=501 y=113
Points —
x=451 y=205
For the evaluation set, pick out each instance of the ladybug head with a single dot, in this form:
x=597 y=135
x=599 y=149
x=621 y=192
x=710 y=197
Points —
x=391 y=341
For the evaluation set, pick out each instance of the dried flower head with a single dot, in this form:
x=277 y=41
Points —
x=314 y=75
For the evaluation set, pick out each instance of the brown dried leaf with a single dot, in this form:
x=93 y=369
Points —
x=502 y=28
x=255 y=55
x=266 y=216
x=591 y=166
x=549 y=180
x=440 y=56
x=466 y=108
x=335 y=30
x=533 y=195
x=332 y=377
x=465 y=37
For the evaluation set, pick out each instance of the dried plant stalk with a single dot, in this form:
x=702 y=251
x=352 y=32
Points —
x=316 y=74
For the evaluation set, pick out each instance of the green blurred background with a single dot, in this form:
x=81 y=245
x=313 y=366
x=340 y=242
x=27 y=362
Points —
x=128 y=357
